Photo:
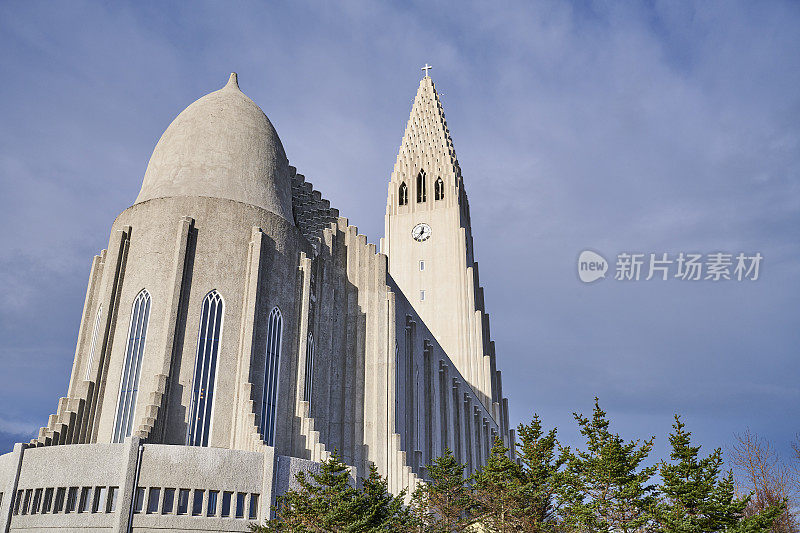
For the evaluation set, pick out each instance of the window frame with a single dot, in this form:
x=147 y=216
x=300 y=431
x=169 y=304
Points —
x=422 y=192
x=47 y=499
x=100 y=494
x=183 y=501
x=85 y=500
x=309 y=381
x=138 y=500
x=95 y=330
x=197 y=505
x=129 y=383
x=168 y=501
x=213 y=307
x=252 y=508
x=153 y=500
x=402 y=194
x=438 y=189
x=272 y=371
x=111 y=502
x=71 y=503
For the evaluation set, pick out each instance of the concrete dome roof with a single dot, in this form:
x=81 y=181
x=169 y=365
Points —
x=221 y=146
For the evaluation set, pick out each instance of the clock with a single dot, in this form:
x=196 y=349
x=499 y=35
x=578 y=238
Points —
x=421 y=232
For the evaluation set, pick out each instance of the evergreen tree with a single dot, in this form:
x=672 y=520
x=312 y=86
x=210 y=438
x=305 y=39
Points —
x=326 y=502
x=377 y=509
x=443 y=504
x=695 y=499
x=500 y=493
x=606 y=487
x=329 y=502
x=542 y=474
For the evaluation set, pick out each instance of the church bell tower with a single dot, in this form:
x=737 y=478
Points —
x=428 y=241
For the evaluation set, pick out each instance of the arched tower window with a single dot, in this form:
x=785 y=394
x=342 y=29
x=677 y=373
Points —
x=132 y=368
x=95 y=331
x=421 y=196
x=205 y=369
x=403 y=194
x=269 y=402
x=309 y=367
x=439 y=189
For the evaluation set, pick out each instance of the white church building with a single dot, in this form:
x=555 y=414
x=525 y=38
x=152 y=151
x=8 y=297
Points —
x=237 y=330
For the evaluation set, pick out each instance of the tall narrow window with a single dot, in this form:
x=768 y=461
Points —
x=132 y=369
x=183 y=501
x=402 y=194
x=309 y=367
x=468 y=433
x=428 y=388
x=152 y=500
x=438 y=189
x=272 y=360
x=94 y=342
x=169 y=501
x=111 y=503
x=456 y=423
x=421 y=196
x=443 y=407
x=205 y=369
x=397 y=381
x=478 y=447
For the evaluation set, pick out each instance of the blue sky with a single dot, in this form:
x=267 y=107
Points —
x=643 y=126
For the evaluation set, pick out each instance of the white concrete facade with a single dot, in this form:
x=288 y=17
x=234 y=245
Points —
x=364 y=367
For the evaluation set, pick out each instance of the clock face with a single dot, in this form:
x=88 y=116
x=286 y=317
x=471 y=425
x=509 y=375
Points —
x=421 y=232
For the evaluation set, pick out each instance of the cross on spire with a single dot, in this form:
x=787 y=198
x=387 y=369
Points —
x=426 y=68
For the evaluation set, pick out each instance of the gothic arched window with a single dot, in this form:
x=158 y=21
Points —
x=439 y=189
x=403 y=194
x=309 y=368
x=269 y=402
x=132 y=369
x=205 y=369
x=421 y=186
x=95 y=330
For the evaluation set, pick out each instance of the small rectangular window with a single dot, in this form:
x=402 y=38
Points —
x=138 y=500
x=169 y=500
x=48 y=500
x=183 y=501
x=212 y=503
x=253 y=506
x=226 y=503
x=18 y=500
x=240 y=504
x=27 y=502
x=422 y=265
x=37 y=501
x=86 y=500
x=152 y=500
x=1 y=499
x=421 y=295
x=111 y=504
x=99 y=498
x=197 y=502
x=72 y=499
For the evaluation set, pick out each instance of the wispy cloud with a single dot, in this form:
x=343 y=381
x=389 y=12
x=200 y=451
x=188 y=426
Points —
x=18 y=428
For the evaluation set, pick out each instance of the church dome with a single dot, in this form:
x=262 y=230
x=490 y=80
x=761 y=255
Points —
x=221 y=146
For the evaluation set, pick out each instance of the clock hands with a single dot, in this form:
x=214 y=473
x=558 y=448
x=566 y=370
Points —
x=421 y=232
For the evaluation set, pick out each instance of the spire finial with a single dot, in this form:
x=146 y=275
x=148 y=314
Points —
x=426 y=68
x=233 y=82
